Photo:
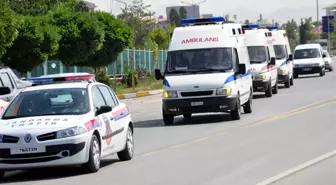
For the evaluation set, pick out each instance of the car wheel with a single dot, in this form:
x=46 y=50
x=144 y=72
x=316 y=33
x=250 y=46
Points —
x=168 y=119
x=331 y=68
x=275 y=88
x=287 y=83
x=128 y=152
x=93 y=164
x=248 y=105
x=292 y=81
x=235 y=114
x=268 y=92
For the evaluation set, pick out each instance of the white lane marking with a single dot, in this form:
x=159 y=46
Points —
x=297 y=168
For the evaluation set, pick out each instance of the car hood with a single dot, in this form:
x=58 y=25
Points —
x=197 y=81
x=40 y=123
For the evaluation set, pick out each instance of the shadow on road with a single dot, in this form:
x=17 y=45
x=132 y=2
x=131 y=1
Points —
x=48 y=173
x=180 y=121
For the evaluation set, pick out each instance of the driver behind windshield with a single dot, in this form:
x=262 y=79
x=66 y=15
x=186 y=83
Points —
x=259 y=54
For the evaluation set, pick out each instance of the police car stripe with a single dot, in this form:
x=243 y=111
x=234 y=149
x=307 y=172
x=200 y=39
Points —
x=120 y=114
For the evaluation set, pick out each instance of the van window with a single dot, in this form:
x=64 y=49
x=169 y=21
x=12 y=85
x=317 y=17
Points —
x=257 y=54
x=199 y=60
x=235 y=59
x=307 y=53
x=280 y=52
x=6 y=80
x=268 y=54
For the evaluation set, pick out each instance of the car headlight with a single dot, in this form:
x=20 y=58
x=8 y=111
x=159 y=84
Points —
x=224 y=91
x=170 y=94
x=282 y=70
x=70 y=132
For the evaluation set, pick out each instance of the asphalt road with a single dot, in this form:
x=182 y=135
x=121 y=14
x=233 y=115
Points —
x=288 y=139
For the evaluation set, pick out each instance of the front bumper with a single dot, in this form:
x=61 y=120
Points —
x=307 y=70
x=64 y=152
x=199 y=105
x=283 y=78
x=260 y=86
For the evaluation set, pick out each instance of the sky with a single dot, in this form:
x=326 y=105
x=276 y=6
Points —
x=280 y=10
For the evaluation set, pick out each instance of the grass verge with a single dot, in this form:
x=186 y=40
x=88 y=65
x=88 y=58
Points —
x=146 y=84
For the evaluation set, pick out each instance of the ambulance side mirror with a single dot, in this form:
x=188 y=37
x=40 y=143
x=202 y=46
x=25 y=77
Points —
x=290 y=58
x=5 y=91
x=242 y=69
x=158 y=74
x=272 y=61
x=324 y=56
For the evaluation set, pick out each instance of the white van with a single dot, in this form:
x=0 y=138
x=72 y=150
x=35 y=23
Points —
x=309 y=59
x=207 y=70
x=284 y=57
x=262 y=58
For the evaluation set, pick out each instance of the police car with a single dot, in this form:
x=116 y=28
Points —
x=64 y=120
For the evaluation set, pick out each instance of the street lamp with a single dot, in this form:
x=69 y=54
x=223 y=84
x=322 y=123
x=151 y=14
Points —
x=194 y=5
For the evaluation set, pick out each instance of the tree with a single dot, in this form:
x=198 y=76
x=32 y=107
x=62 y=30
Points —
x=118 y=36
x=136 y=16
x=160 y=37
x=291 y=28
x=82 y=35
x=33 y=46
x=174 y=17
x=306 y=31
x=8 y=27
x=183 y=13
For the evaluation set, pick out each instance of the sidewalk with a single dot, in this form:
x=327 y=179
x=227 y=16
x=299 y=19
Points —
x=139 y=94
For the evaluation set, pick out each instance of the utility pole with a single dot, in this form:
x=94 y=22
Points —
x=194 y=5
x=318 y=18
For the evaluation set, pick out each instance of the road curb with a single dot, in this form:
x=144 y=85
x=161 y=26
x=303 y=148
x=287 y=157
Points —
x=139 y=94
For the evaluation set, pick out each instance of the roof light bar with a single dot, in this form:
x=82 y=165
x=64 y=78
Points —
x=272 y=27
x=202 y=20
x=251 y=26
x=51 y=80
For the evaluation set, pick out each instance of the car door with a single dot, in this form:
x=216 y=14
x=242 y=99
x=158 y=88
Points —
x=108 y=142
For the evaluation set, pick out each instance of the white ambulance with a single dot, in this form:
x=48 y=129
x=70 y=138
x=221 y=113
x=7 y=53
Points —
x=284 y=57
x=207 y=70
x=262 y=58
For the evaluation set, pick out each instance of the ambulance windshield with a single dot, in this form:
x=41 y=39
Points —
x=257 y=54
x=280 y=51
x=200 y=60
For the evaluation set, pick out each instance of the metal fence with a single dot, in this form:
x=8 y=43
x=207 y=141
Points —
x=143 y=59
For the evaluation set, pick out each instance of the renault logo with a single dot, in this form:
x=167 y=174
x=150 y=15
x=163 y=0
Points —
x=28 y=138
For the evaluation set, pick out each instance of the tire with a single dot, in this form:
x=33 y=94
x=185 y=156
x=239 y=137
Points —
x=268 y=92
x=296 y=75
x=93 y=165
x=322 y=72
x=331 y=68
x=236 y=114
x=187 y=116
x=2 y=174
x=248 y=105
x=128 y=152
x=168 y=119
x=291 y=81
x=275 y=89
x=287 y=83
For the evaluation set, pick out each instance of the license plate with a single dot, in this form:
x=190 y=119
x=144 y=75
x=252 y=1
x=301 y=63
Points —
x=196 y=104
x=307 y=69
x=27 y=150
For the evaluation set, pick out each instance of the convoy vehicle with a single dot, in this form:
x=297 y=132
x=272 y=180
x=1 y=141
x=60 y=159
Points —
x=207 y=70
x=64 y=120
x=309 y=59
x=259 y=42
x=328 y=61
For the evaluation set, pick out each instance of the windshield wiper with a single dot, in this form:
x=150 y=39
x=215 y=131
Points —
x=180 y=71
x=210 y=70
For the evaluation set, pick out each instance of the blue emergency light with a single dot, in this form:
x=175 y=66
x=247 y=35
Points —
x=51 y=80
x=272 y=27
x=202 y=20
x=252 y=26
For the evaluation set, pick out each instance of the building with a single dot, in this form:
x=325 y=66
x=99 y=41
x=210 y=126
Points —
x=331 y=9
x=192 y=11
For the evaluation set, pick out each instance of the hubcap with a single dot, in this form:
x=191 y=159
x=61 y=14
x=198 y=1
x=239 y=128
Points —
x=130 y=144
x=96 y=154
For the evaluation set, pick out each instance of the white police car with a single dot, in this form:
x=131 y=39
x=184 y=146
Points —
x=64 y=123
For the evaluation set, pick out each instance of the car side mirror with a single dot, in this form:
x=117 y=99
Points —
x=158 y=75
x=242 y=69
x=5 y=91
x=272 y=61
x=290 y=58
x=324 y=56
x=104 y=109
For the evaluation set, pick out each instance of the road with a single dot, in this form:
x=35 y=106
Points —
x=288 y=139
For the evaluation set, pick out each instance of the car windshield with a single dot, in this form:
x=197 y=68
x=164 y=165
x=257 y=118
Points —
x=306 y=53
x=280 y=52
x=257 y=54
x=200 y=60
x=67 y=101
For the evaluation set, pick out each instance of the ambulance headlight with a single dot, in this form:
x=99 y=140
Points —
x=282 y=70
x=224 y=91
x=170 y=94
x=263 y=76
x=70 y=132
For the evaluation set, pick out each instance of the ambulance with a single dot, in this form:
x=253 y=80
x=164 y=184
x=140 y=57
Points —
x=262 y=58
x=207 y=70
x=284 y=57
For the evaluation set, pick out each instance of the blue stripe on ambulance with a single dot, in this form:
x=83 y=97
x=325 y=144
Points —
x=232 y=77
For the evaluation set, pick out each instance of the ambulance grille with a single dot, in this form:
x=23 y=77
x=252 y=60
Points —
x=196 y=93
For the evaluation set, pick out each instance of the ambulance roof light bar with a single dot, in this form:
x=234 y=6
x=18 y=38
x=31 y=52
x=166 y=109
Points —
x=61 y=79
x=251 y=26
x=211 y=20
x=272 y=27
